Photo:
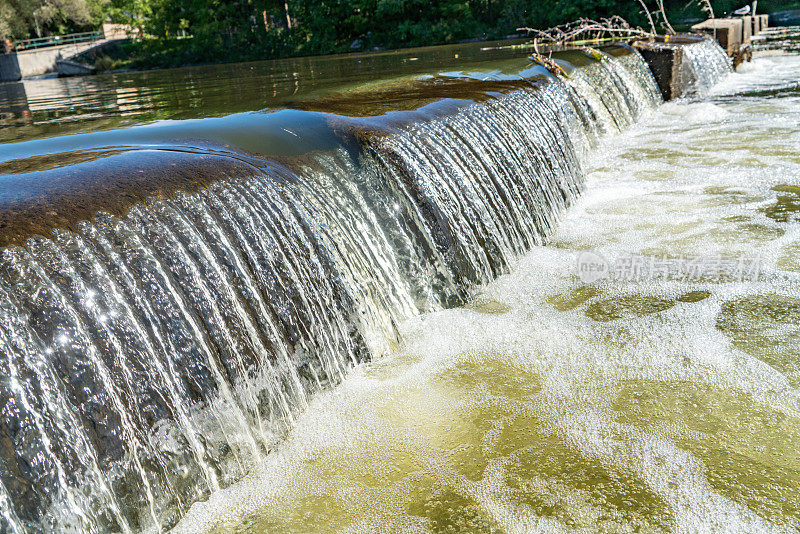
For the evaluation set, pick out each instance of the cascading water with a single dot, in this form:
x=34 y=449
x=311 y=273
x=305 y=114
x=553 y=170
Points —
x=705 y=64
x=154 y=357
x=662 y=397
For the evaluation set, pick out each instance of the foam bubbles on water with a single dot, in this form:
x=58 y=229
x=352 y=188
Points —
x=765 y=73
x=548 y=405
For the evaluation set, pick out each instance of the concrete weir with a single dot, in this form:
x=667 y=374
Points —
x=734 y=34
x=116 y=170
x=664 y=55
x=174 y=295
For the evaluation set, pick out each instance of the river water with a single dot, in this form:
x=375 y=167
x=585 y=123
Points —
x=174 y=294
x=659 y=402
x=50 y=106
x=436 y=290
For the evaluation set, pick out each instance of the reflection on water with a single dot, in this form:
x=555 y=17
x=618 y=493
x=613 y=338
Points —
x=56 y=106
x=15 y=105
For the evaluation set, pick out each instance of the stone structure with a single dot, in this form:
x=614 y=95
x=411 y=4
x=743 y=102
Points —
x=26 y=63
x=664 y=55
x=728 y=32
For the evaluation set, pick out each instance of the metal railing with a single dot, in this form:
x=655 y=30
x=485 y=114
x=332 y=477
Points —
x=57 y=40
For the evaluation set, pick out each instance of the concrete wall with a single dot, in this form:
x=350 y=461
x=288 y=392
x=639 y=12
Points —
x=36 y=62
x=664 y=56
x=9 y=68
x=747 y=29
x=664 y=62
x=728 y=32
x=28 y=63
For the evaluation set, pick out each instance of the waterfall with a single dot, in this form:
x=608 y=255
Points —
x=153 y=357
x=705 y=64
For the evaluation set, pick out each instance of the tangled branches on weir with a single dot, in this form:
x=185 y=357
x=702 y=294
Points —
x=588 y=29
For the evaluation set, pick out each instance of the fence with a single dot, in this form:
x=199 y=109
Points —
x=57 y=40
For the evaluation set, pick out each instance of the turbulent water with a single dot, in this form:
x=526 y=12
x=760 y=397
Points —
x=155 y=358
x=662 y=403
x=704 y=66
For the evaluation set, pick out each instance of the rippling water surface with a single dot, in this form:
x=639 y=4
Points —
x=552 y=405
x=49 y=106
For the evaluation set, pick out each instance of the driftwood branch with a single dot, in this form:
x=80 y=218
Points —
x=571 y=31
x=608 y=27
x=649 y=16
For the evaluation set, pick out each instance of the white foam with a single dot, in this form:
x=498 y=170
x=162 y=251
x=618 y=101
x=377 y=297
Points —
x=471 y=384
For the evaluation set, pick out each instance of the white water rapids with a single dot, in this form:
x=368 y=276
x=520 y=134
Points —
x=552 y=405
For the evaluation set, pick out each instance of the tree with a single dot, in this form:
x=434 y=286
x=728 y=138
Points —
x=12 y=22
x=20 y=19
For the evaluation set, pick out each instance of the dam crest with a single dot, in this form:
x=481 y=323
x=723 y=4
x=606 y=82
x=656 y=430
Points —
x=168 y=308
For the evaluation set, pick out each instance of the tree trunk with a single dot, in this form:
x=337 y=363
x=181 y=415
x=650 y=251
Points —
x=288 y=17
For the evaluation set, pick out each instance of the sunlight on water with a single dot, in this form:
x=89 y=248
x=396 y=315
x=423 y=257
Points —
x=550 y=405
x=159 y=351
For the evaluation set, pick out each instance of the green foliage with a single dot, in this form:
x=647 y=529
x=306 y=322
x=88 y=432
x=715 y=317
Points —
x=20 y=19
x=182 y=32
x=198 y=31
x=12 y=23
x=132 y=12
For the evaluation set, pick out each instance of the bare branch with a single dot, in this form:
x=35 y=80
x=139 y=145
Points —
x=649 y=16
x=607 y=27
x=669 y=27
x=705 y=6
x=569 y=32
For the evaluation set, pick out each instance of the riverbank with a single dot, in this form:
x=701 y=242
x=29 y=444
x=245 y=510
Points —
x=149 y=53
x=343 y=32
